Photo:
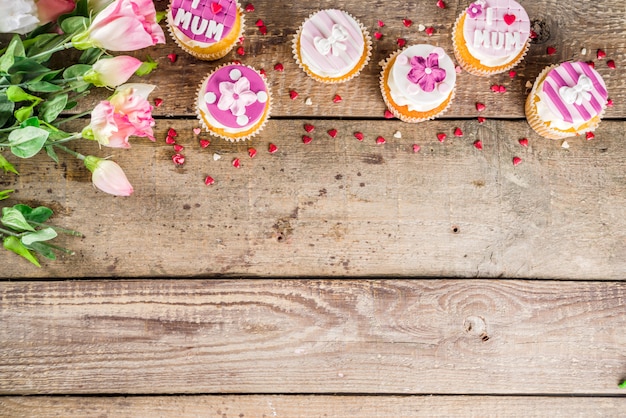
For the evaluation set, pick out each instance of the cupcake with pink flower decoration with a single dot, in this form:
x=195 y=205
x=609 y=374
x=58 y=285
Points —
x=234 y=102
x=417 y=83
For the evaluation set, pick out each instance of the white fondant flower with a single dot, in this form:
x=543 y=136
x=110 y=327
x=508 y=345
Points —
x=236 y=96
x=333 y=44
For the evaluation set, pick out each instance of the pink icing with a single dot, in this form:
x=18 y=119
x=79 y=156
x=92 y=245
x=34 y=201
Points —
x=503 y=27
x=240 y=100
x=195 y=18
x=568 y=75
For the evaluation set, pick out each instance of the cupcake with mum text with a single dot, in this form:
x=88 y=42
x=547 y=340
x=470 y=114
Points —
x=417 y=83
x=206 y=29
x=566 y=100
x=331 y=46
x=233 y=102
x=491 y=36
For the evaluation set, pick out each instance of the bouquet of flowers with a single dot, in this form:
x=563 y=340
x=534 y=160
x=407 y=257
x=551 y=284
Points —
x=35 y=95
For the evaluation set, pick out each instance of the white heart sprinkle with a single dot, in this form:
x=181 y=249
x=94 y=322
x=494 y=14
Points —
x=210 y=97
x=583 y=51
x=398 y=134
x=235 y=74
x=565 y=145
x=261 y=97
x=421 y=28
x=529 y=84
x=216 y=157
x=242 y=120
x=308 y=101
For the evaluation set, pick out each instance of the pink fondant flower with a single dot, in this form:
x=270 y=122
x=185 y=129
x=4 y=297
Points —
x=127 y=113
x=108 y=176
x=124 y=25
x=475 y=9
x=236 y=96
x=426 y=72
x=111 y=72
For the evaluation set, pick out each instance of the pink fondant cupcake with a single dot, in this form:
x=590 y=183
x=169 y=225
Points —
x=332 y=47
x=234 y=102
x=491 y=36
x=566 y=100
x=206 y=29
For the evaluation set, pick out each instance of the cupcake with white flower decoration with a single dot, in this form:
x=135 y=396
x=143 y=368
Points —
x=417 y=83
x=234 y=102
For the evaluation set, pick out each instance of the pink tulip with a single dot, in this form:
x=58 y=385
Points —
x=124 y=25
x=111 y=72
x=108 y=176
x=126 y=113
x=50 y=10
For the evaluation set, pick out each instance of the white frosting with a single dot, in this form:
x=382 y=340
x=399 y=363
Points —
x=555 y=121
x=405 y=93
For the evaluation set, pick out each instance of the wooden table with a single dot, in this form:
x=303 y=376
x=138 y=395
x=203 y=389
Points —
x=337 y=278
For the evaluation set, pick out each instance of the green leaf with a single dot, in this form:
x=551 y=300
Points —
x=15 y=49
x=146 y=67
x=74 y=24
x=39 y=214
x=23 y=113
x=76 y=70
x=43 y=87
x=52 y=153
x=15 y=220
x=622 y=385
x=7 y=166
x=43 y=249
x=45 y=234
x=34 y=121
x=50 y=109
x=12 y=243
x=28 y=66
x=90 y=56
x=17 y=94
x=4 y=194
x=6 y=109
x=28 y=141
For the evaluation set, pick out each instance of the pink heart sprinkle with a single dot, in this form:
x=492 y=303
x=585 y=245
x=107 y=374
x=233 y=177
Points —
x=441 y=4
x=480 y=107
x=551 y=50
x=495 y=88
x=401 y=42
x=441 y=136
x=172 y=57
x=263 y=30
x=293 y=94
x=388 y=114
x=610 y=64
x=591 y=64
x=216 y=8
x=337 y=98
x=590 y=136
x=279 y=67
x=407 y=22
x=197 y=131
x=158 y=102
x=516 y=161
x=378 y=35
x=236 y=163
x=249 y=8
x=533 y=34
x=601 y=54
x=458 y=69
x=242 y=39
x=178 y=148
x=380 y=140
x=609 y=103
x=523 y=142
x=309 y=128
x=429 y=31
x=478 y=144
x=306 y=139
x=260 y=23
x=416 y=148
x=509 y=19
x=458 y=132
x=502 y=89
x=272 y=148
x=172 y=132
x=251 y=152
x=359 y=136
x=178 y=159
x=481 y=120
x=332 y=133
x=204 y=143
x=512 y=73
x=381 y=23
x=170 y=140
x=209 y=180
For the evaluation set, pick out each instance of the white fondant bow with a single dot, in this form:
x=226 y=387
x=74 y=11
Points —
x=579 y=92
x=333 y=43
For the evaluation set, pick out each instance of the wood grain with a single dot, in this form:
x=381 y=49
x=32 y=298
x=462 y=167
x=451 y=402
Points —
x=310 y=336
x=340 y=207
x=310 y=406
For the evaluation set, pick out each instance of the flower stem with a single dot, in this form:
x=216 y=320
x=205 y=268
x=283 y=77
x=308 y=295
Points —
x=7 y=232
x=77 y=116
x=69 y=151
x=58 y=48
x=56 y=247
x=56 y=228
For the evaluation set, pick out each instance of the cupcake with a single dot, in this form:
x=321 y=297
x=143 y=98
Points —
x=233 y=102
x=206 y=29
x=417 y=82
x=566 y=100
x=491 y=36
x=331 y=46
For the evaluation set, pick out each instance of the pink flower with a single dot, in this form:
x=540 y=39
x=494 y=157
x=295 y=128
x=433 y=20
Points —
x=124 y=25
x=22 y=16
x=108 y=176
x=475 y=9
x=426 y=72
x=111 y=72
x=126 y=113
x=50 y=10
x=236 y=96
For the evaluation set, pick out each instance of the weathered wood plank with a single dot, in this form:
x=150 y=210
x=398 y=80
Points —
x=288 y=336
x=340 y=207
x=310 y=406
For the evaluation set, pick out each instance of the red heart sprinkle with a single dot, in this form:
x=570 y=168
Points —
x=441 y=4
x=609 y=103
x=509 y=19
x=416 y=148
x=591 y=64
x=380 y=140
x=172 y=57
x=251 y=152
x=441 y=136
x=236 y=163
x=481 y=120
x=260 y=23
x=516 y=160
x=601 y=54
x=309 y=128
x=533 y=34
x=610 y=64
x=172 y=132
x=359 y=136
x=480 y=106
x=523 y=142
x=502 y=89
x=263 y=30
x=495 y=88
x=401 y=42
x=262 y=72
x=158 y=102
x=429 y=31
x=249 y=8
x=209 y=180
x=478 y=144
x=512 y=73
x=381 y=23
x=337 y=98
x=179 y=159
x=332 y=133
x=590 y=136
x=407 y=22
x=388 y=114
x=178 y=147
x=215 y=7
x=458 y=132
x=272 y=148
x=279 y=67
x=293 y=94
x=378 y=35
x=236 y=62
x=551 y=50
x=306 y=139
x=242 y=39
x=241 y=51
x=170 y=140
x=204 y=143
